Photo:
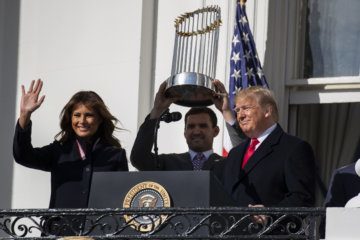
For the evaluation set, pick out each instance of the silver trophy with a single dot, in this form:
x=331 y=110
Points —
x=194 y=57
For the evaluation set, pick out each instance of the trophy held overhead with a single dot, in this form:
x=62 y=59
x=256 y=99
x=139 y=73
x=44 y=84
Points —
x=194 y=57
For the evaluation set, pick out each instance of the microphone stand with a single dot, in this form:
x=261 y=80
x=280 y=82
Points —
x=157 y=126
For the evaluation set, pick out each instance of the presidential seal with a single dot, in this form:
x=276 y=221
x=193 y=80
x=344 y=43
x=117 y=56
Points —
x=146 y=195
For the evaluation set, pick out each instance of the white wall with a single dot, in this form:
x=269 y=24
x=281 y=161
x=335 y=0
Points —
x=72 y=46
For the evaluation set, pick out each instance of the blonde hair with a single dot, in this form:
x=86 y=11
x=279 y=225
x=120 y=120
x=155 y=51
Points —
x=264 y=97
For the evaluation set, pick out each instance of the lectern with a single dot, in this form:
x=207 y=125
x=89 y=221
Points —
x=188 y=189
x=185 y=188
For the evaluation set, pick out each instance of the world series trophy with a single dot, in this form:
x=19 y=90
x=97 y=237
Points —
x=194 y=57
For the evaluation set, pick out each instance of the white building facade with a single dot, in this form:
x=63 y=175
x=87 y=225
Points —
x=123 y=50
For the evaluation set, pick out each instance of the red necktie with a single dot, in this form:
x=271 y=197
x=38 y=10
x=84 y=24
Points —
x=250 y=151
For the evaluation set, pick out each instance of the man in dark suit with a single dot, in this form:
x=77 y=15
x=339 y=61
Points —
x=200 y=130
x=344 y=185
x=280 y=171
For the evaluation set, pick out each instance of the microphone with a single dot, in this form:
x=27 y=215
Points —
x=170 y=117
x=167 y=117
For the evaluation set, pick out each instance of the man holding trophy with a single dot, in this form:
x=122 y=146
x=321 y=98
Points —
x=191 y=84
x=200 y=130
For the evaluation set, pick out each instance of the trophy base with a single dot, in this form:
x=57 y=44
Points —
x=193 y=89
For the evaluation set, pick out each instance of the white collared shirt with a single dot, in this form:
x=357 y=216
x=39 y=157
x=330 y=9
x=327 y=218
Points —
x=206 y=153
x=265 y=134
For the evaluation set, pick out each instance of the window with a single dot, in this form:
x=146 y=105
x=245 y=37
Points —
x=333 y=37
x=324 y=101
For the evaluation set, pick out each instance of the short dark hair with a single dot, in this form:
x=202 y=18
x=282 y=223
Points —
x=199 y=110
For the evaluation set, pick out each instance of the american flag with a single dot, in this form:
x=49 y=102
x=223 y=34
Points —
x=245 y=66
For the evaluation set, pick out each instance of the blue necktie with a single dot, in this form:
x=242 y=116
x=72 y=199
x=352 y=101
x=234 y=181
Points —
x=198 y=161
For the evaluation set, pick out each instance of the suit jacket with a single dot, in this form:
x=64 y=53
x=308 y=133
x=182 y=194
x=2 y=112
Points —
x=144 y=160
x=70 y=175
x=344 y=185
x=281 y=172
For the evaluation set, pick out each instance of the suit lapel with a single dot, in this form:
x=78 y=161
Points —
x=75 y=153
x=264 y=150
x=213 y=159
x=208 y=165
x=236 y=172
x=186 y=158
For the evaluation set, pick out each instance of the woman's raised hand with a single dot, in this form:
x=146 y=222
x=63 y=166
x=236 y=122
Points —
x=30 y=101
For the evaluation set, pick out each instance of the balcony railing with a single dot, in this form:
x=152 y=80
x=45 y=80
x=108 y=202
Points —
x=162 y=223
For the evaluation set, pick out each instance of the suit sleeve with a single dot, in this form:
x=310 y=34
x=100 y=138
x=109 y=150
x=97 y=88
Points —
x=335 y=197
x=235 y=134
x=25 y=154
x=141 y=156
x=300 y=177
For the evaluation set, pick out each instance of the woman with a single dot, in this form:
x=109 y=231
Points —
x=85 y=144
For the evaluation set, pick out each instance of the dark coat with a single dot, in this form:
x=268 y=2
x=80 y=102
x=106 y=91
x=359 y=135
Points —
x=344 y=185
x=281 y=172
x=70 y=175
